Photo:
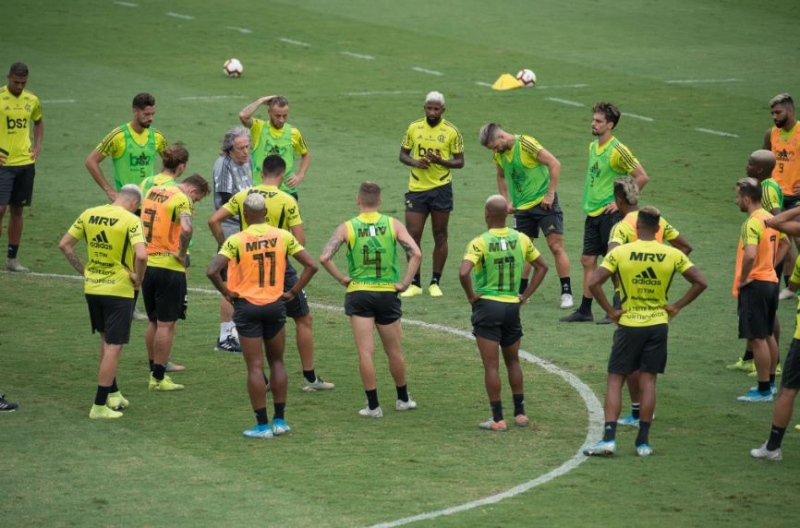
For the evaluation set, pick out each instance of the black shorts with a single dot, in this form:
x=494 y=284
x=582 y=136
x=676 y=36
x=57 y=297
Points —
x=165 y=295
x=639 y=348
x=758 y=304
x=596 y=230
x=258 y=320
x=297 y=307
x=790 y=201
x=16 y=185
x=384 y=307
x=530 y=221
x=111 y=316
x=436 y=199
x=496 y=321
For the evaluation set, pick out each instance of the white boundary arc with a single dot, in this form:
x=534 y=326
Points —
x=593 y=407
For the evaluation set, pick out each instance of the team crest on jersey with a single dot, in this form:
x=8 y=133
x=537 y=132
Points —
x=28 y=107
x=441 y=138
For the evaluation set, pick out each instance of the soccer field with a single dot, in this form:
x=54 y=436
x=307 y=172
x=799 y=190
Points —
x=693 y=80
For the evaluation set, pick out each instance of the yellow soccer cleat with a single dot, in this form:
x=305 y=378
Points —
x=434 y=290
x=117 y=401
x=164 y=385
x=412 y=291
x=103 y=412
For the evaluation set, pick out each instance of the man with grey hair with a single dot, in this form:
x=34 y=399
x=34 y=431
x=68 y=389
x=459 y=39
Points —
x=432 y=147
x=276 y=136
x=117 y=261
x=233 y=172
x=527 y=176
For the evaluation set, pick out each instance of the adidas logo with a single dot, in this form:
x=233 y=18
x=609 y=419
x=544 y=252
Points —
x=647 y=277
x=100 y=241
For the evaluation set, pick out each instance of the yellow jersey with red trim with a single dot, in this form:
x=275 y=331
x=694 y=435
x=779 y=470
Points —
x=444 y=139
x=17 y=116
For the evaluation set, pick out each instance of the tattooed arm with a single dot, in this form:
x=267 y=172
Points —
x=329 y=251
x=412 y=252
x=185 y=236
x=67 y=247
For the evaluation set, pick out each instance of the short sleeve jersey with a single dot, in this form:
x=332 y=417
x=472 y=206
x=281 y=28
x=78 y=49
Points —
x=372 y=253
x=282 y=209
x=131 y=152
x=645 y=269
x=258 y=262
x=527 y=180
x=159 y=179
x=162 y=209
x=444 y=139
x=771 y=195
x=17 y=116
x=755 y=233
x=110 y=233
x=625 y=231
x=606 y=163
x=269 y=140
x=498 y=256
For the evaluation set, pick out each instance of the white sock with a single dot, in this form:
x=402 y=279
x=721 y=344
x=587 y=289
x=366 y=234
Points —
x=225 y=330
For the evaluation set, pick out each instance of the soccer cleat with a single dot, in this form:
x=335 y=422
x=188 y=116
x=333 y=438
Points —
x=629 y=420
x=601 y=448
x=174 y=367
x=754 y=374
x=566 y=301
x=259 y=431
x=412 y=291
x=765 y=454
x=772 y=388
x=229 y=344
x=434 y=290
x=606 y=320
x=164 y=385
x=318 y=385
x=577 y=317
x=756 y=396
x=371 y=413
x=15 y=266
x=103 y=412
x=117 y=401
x=7 y=406
x=521 y=420
x=644 y=450
x=745 y=366
x=279 y=427
x=491 y=425
x=797 y=427
x=401 y=405
x=786 y=294
x=139 y=316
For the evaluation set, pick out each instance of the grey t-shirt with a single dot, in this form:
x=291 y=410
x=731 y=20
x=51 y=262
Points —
x=230 y=177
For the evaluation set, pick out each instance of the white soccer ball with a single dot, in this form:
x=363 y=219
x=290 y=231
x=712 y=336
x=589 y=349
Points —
x=527 y=78
x=233 y=68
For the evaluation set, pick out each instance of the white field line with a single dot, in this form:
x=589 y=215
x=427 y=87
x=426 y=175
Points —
x=295 y=42
x=127 y=4
x=178 y=15
x=556 y=86
x=58 y=101
x=425 y=70
x=357 y=55
x=240 y=29
x=209 y=97
x=640 y=117
x=378 y=92
x=716 y=132
x=565 y=101
x=701 y=81
x=480 y=83
x=593 y=407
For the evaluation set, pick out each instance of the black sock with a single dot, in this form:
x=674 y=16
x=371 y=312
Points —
x=261 y=416
x=786 y=279
x=497 y=410
x=436 y=278
x=372 y=398
x=159 y=371
x=402 y=393
x=748 y=355
x=101 y=396
x=12 y=250
x=523 y=285
x=764 y=386
x=279 y=408
x=775 y=437
x=566 y=285
x=771 y=380
x=586 y=306
x=609 y=431
x=310 y=375
x=616 y=302
x=635 y=409
x=519 y=404
x=113 y=387
x=152 y=363
x=416 y=282
x=644 y=433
